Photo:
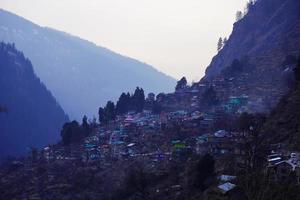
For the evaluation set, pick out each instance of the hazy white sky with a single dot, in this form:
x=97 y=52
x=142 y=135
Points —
x=177 y=37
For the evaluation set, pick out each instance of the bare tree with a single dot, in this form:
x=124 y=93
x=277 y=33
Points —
x=253 y=141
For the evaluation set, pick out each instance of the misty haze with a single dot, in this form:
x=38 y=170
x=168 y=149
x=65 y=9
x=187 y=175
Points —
x=148 y=100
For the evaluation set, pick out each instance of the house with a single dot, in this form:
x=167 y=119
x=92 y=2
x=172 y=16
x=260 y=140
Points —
x=225 y=191
x=221 y=133
x=274 y=159
x=129 y=119
x=226 y=187
x=226 y=178
x=218 y=143
x=280 y=169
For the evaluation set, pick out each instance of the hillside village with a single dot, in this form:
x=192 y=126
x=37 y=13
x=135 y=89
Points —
x=234 y=135
x=216 y=120
x=182 y=129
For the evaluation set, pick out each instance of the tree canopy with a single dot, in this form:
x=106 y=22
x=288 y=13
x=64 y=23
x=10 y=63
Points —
x=209 y=97
x=220 y=44
x=127 y=102
x=71 y=133
x=101 y=115
x=138 y=99
x=123 y=104
x=181 y=83
x=85 y=126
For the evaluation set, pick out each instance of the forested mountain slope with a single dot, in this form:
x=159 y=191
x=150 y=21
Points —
x=258 y=58
x=283 y=124
x=31 y=117
x=81 y=75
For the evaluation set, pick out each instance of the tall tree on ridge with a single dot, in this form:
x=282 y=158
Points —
x=181 y=84
x=220 y=44
x=85 y=125
x=138 y=99
x=101 y=115
x=238 y=16
x=123 y=104
x=225 y=41
x=109 y=112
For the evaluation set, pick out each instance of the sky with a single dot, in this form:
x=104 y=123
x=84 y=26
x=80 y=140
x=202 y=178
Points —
x=177 y=37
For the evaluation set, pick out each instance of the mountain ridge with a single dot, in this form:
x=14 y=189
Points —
x=79 y=64
x=261 y=42
x=33 y=118
x=242 y=42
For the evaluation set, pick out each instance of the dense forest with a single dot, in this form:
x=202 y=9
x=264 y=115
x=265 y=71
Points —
x=234 y=135
x=31 y=116
x=91 y=74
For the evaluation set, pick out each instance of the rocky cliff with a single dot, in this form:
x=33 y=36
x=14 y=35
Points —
x=265 y=42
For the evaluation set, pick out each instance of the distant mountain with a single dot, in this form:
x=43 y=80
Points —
x=31 y=117
x=81 y=75
x=260 y=52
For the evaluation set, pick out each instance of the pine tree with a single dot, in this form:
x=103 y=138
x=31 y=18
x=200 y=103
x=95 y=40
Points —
x=238 y=16
x=138 y=100
x=220 y=44
x=109 y=112
x=122 y=104
x=85 y=126
x=71 y=133
x=181 y=84
x=224 y=41
x=141 y=100
x=101 y=115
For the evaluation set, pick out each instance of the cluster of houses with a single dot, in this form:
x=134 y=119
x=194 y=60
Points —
x=128 y=137
x=142 y=135
x=218 y=143
x=283 y=165
x=136 y=135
